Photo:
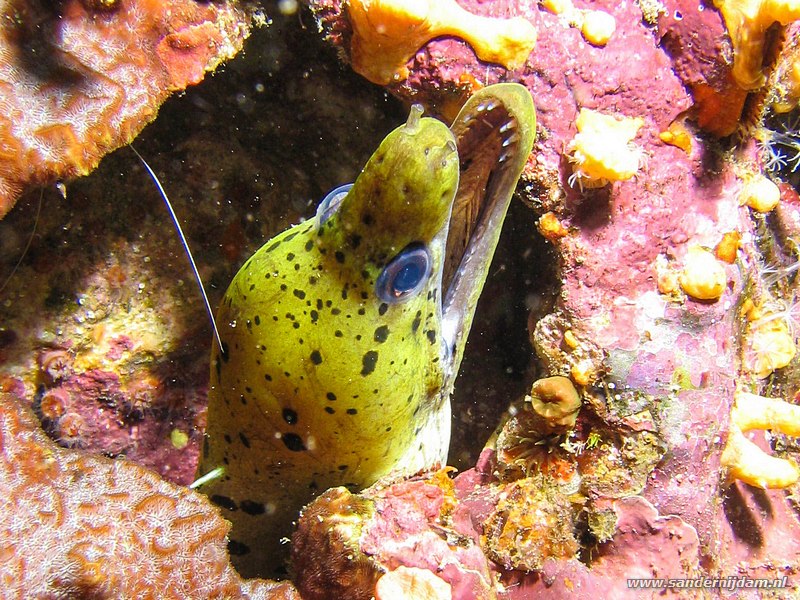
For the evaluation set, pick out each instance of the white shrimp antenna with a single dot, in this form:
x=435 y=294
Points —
x=185 y=247
x=28 y=244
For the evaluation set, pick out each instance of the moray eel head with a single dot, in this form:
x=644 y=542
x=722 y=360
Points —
x=402 y=196
x=341 y=337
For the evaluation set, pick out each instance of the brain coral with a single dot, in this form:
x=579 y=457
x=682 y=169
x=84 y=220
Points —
x=81 y=526
x=80 y=78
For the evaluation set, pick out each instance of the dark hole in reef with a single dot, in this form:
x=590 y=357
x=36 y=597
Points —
x=497 y=366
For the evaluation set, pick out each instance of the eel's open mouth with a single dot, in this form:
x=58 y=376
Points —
x=488 y=143
x=494 y=133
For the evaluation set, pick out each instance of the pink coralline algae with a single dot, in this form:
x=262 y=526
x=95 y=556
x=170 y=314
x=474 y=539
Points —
x=345 y=543
x=348 y=542
x=82 y=78
x=100 y=411
x=663 y=279
x=75 y=525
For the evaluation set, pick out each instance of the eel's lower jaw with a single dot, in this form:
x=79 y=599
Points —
x=492 y=151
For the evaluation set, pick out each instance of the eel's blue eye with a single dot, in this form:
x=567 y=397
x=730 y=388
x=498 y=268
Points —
x=330 y=203
x=405 y=275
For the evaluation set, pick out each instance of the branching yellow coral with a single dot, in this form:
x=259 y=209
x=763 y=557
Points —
x=602 y=151
x=746 y=461
x=747 y=22
x=387 y=33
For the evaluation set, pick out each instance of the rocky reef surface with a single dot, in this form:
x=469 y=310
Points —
x=643 y=296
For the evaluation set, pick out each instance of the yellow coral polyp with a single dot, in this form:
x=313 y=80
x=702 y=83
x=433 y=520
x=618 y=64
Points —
x=728 y=247
x=769 y=346
x=703 y=276
x=760 y=193
x=747 y=22
x=602 y=151
x=745 y=460
x=558 y=7
x=555 y=399
x=551 y=227
x=678 y=135
x=583 y=372
x=597 y=27
x=387 y=33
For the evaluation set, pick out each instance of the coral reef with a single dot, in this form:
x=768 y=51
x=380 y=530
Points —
x=77 y=525
x=532 y=524
x=436 y=525
x=101 y=328
x=80 y=79
x=345 y=543
x=681 y=460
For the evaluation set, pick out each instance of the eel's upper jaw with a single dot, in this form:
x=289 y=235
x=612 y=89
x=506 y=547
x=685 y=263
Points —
x=495 y=132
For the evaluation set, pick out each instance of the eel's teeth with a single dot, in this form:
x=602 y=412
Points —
x=511 y=124
x=512 y=139
x=487 y=106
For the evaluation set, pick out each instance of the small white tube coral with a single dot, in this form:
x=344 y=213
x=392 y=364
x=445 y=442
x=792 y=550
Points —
x=602 y=151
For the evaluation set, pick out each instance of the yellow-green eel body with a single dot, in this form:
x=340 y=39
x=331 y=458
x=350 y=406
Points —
x=342 y=336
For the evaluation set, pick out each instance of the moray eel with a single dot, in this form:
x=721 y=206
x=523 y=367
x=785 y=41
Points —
x=342 y=336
